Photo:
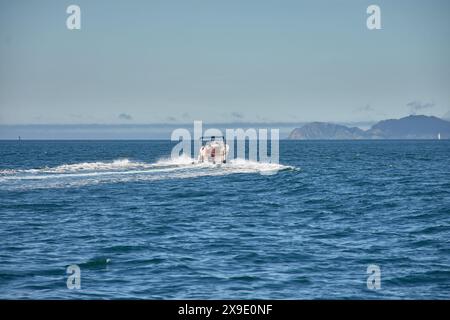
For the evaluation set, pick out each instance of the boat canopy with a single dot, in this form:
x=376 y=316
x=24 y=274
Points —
x=213 y=138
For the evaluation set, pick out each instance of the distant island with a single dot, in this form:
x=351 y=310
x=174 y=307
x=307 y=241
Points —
x=411 y=127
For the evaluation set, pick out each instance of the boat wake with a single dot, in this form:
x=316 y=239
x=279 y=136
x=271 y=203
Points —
x=125 y=170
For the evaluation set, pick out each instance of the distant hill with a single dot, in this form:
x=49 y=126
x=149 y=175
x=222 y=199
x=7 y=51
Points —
x=411 y=127
x=323 y=130
x=446 y=116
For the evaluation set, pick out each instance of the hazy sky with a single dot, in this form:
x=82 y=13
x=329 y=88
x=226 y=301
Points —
x=221 y=61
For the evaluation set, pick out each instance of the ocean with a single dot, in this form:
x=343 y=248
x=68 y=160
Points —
x=142 y=226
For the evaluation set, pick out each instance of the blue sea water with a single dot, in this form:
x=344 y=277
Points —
x=142 y=226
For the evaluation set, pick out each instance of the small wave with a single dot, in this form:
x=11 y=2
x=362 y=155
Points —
x=95 y=263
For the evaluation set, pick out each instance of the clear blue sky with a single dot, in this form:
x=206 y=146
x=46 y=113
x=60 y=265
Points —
x=222 y=61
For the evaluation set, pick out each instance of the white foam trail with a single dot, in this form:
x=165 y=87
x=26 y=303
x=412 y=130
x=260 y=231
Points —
x=237 y=164
x=182 y=160
x=124 y=170
x=242 y=164
x=119 y=164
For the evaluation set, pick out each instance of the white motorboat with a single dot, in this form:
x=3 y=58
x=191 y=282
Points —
x=214 y=150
